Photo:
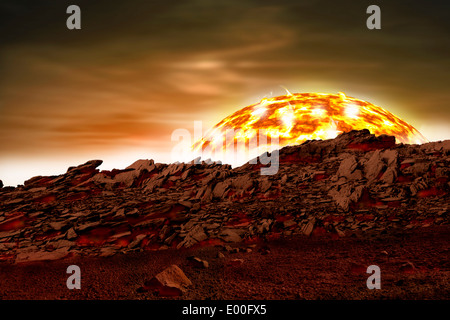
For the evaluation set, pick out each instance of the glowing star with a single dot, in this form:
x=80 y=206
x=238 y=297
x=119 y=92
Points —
x=352 y=111
x=295 y=118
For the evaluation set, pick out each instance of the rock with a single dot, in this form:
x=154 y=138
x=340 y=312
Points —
x=418 y=185
x=171 y=282
x=389 y=176
x=37 y=189
x=263 y=226
x=419 y=169
x=197 y=234
x=137 y=241
x=132 y=212
x=58 y=225
x=185 y=203
x=197 y=262
x=142 y=164
x=170 y=238
x=442 y=172
x=71 y=234
x=210 y=226
x=357 y=193
x=107 y=251
x=38 y=180
x=378 y=162
x=243 y=182
x=207 y=195
x=390 y=157
x=230 y=235
x=39 y=255
x=347 y=168
x=88 y=225
x=265 y=185
x=9 y=234
x=120 y=213
x=373 y=166
x=88 y=167
x=440 y=146
x=341 y=195
x=289 y=223
x=14 y=201
x=220 y=189
x=346 y=194
x=61 y=244
x=185 y=174
x=309 y=227
x=235 y=262
x=126 y=178
x=339 y=232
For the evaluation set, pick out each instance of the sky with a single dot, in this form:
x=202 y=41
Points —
x=138 y=70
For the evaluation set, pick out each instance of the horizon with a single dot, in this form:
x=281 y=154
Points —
x=110 y=164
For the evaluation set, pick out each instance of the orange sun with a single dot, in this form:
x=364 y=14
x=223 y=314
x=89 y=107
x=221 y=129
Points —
x=295 y=118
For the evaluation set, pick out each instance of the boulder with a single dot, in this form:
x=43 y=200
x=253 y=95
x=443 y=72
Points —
x=171 y=282
x=220 y=189
x=347 y=168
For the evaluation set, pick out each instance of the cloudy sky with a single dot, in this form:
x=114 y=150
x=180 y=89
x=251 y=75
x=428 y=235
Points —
x=139 y=69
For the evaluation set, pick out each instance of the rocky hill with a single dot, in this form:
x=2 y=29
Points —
x=354 y=185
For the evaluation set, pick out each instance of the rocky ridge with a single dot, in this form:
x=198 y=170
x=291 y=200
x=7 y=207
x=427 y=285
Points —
x=356 y=184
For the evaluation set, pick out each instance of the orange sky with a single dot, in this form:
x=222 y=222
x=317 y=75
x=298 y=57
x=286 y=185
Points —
x=117 y=89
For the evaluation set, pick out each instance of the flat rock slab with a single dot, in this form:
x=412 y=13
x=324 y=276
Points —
x=171 y=282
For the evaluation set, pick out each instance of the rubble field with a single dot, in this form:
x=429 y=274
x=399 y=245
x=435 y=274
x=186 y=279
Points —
x=353 y=188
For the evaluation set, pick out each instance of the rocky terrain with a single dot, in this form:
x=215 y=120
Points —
x=352 y=186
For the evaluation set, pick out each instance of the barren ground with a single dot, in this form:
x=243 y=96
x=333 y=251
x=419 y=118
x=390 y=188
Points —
x=294 y=268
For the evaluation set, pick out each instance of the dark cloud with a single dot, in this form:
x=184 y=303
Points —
x=139 y=69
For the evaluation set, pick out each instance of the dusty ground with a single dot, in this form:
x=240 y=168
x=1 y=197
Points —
x=295 y=268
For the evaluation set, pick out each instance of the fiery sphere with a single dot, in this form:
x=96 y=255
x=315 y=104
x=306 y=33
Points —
x=294 y=118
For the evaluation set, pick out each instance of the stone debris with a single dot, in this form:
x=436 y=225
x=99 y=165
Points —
x=354 y=183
